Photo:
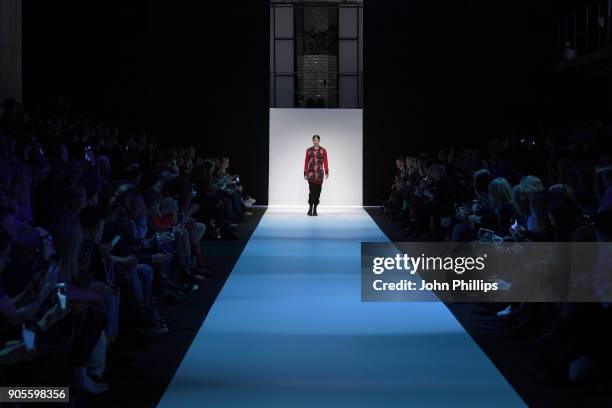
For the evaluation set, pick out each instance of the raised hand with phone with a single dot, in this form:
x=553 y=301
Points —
x=517 y=231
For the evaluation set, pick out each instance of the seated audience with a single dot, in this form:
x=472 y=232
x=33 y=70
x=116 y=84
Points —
x=528 y=190
x=99 y=230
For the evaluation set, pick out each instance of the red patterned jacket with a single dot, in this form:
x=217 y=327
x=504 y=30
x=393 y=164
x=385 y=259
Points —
x=314 y=164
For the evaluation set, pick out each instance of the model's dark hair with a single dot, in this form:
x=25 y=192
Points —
x=316 y=137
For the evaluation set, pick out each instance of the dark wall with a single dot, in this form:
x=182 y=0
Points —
x=447 y=72
x=220 y=89
x=67 y=51
x=436 y=74
x=188 y=72
x=582 y=89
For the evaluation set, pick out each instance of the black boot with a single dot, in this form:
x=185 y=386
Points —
x=314 y=210
x=310 y=209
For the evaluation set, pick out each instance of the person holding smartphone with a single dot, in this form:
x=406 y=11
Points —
x=468 y=217
x=20 y=311
x=180 y=232
x=133 y=261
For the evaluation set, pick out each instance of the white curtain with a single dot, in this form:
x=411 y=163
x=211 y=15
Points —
x=10 y=50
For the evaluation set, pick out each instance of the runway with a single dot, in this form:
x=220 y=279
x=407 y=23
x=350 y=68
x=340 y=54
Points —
x=289 y=330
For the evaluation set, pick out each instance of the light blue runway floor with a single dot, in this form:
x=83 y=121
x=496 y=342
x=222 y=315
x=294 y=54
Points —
x=289 y=330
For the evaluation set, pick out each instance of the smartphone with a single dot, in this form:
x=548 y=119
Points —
x=61 y=294
x=514 y=226
x=238 y=179
x=115 y=240
x=155 y=242
x=28 y=334
x=181 y=218
x=88 y=154
x=486 y=234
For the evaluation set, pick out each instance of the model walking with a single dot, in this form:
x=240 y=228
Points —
x=315 y=165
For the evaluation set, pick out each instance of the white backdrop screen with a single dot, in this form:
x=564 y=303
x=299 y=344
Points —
x=341 y=132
